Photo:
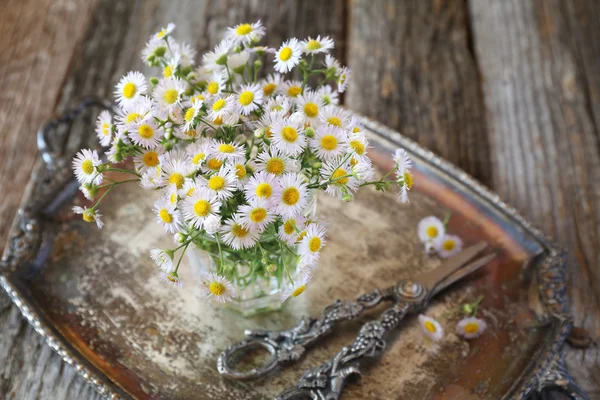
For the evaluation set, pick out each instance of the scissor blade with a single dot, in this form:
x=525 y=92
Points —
x=431 y=278
x=461 y=273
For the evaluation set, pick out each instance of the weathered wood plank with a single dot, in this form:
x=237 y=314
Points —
x=541 y=82
x=38 y=42
x=414 y=71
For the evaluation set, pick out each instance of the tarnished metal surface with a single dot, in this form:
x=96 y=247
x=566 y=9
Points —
x=95 y=295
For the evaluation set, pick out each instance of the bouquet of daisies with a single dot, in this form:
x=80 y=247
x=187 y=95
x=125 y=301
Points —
x=236 y=154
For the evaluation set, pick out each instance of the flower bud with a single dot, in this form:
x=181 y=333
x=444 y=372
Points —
x=180 y=237
x=169 y=133
x=257 y=64
x=185 y=71
x=222 y=60
x=160 y=51
x=154 y=81
x=240 y=69
x=317 y=165
x=259 y=132
x=309 y=132
x=271 y=268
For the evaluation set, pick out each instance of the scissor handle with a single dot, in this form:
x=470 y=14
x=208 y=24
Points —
x=327 y=381
x=289 y=345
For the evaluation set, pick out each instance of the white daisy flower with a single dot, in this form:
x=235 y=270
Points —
x=185 y=52
x=228 y=151
x=220 y=107
x=248 y=98
x=328 y=95
x=175 y=167
x=404 y=176
x=148 y=158
x=261 y=185
x=168 y=93
x=236 y=235
x=288 y=56
x=471 y=327
x=297 y=288
x=217 y=288
x=271 y=85
x=191 y=113
x=236 y=62
x=292 y=89
x=329 y=142
x=134 y=112
x=279 y=104
x=171 y=67
x=336 y=116
x=309 y=104
x=256 y=215
x=84 y=166
x=241 y=173
x=89 y=191
x=203 y=203
x=332 y=65
x=146 y=133
x=430 y=229
x=276 y=162
x=448 y=246
x=216 y=83
x=217 y=59
x=171 y=194
x=104 y=128
x=340 y=173
x=318 y=45
x=151 y=178
x=431 y=327
x=362 y=169
x=89 y=215
x=186 y=134
x=198 y=153
x=342 y=80
x=291 y=195
x=291 y=228
x=246 y=33
x=162 y=259
x=172 y=279
x=163 y=33
x=222 y=183
x=311 y=244
x=189 y=188
x=288 y=136
x=358 y=145
x=167 y=215
x=212 y=163
x=155 y=48
x=355 y=126
x=212 y=224
x=130 y=88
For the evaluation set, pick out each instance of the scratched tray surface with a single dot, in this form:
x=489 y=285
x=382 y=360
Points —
x=100 y=296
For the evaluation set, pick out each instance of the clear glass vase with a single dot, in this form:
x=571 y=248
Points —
x=259 y=277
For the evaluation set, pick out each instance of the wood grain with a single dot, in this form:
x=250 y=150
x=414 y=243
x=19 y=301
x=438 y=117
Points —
x=540 y=75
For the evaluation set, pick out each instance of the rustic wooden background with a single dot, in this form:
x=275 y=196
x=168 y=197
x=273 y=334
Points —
x=508 y=90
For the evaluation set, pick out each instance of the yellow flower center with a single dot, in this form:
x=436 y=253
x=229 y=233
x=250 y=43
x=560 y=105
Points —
x=173 y=198
x=329 y=142
x=289 y=134
x=353 y=161
x=314 y=244
x=239 y=231
x=151 y=159
x=285 y=54
x=146 y=131
x=173 y=278
x=198 y=158
x=132 y=117
x=218 y=121
x=246 y=98
x=202 y=208
x=275 y=166
x=240 y=171
x=301 y=236
x=219 y=104
x=226 y=148
x=269 y=88
x=105 y=128
x=216 y=183
x=87 y=166
x=160 y=34
x=258 y=215
x=431 y=231
x=189 y=114
x=87 y=217
x=191 y=133
x=190 y=192
x=165 y=216
x=313 y=45
x=264 y=190
x=335 y=121
x=337 y=177
x=290 y=196
x=129 y=90
x=358 y=146
x=214 y=164
x=216 y=288
x=177 y=179
x=356 y=129
x=430 y=327
x=289 y=226
x=471 y=327
x=408 y=179
x=268 y=132
x=298 y=291
x=243 y=29
x=171 y=96
x=449 y=245
x=311 y=110
x=294 y=91
x=213 y=88
x=167 y=71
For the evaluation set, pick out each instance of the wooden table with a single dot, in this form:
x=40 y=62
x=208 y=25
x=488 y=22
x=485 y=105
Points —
x=509 y=90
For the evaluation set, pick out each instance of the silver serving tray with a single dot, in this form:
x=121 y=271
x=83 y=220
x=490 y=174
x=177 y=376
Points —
x=95 y=297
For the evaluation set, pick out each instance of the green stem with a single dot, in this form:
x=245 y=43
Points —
x=127 y=171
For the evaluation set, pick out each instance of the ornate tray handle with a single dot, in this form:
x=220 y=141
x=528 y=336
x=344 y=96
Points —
x=556 y=377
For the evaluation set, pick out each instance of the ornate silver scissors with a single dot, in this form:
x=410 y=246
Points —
x=326 y=382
